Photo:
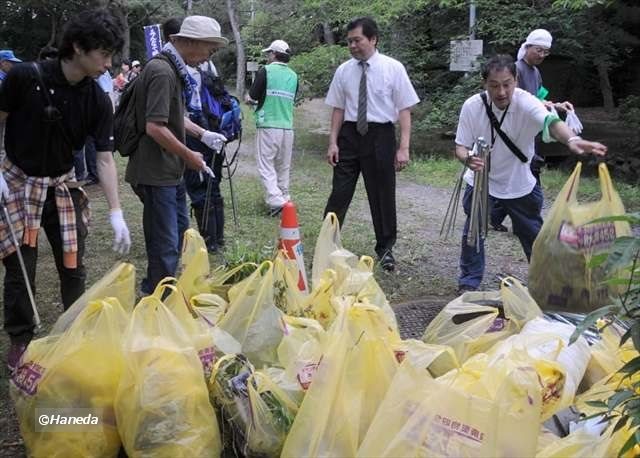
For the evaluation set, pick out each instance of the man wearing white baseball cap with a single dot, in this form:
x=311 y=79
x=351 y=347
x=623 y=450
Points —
x=274 y=91
x=156 y=168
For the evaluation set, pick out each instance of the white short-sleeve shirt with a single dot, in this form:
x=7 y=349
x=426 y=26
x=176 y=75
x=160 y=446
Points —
x=389 y=89
x=509 y=178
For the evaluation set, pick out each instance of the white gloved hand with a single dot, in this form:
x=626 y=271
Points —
x=4 y=188
x=573 y=122
x=121 y=237
x=213 y=140
x=206 y=170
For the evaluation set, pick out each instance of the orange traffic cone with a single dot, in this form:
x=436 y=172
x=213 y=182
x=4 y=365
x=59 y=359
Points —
x=290 y=242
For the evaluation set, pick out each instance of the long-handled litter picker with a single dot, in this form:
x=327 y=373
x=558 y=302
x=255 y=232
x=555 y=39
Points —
x=23 y=267
x=478 y=218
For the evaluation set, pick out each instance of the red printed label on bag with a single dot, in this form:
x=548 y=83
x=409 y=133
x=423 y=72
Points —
x=589 y=237
x=400 y=355
x=27 y=377
x=305 y=375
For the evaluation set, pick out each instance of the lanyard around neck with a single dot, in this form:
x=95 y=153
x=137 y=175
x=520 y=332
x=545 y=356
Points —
x=493 y=133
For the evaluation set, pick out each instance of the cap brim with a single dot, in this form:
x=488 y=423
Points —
x=266 y=50
x=222 y=40
x=14 y=59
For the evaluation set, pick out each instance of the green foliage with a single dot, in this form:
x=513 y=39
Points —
x=247 y=255
x=630 y=111
x=622 y=261
x=443 y=107
x=316 y=68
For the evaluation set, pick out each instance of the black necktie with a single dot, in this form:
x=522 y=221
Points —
x=361 y=125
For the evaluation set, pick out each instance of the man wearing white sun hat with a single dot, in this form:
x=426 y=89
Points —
x=155 y=169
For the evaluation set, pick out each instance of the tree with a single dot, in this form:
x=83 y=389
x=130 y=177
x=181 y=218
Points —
x=241 y=70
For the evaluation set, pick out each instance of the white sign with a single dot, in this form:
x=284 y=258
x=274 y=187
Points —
x=464 y=55
x=252 y=66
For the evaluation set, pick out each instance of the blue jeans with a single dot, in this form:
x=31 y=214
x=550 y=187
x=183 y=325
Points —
x=164 y=220
x=527 y=221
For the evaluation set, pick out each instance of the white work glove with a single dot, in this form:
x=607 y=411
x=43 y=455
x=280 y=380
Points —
x=121 y=237
x=213 y=140
x=206 y=170
x=4 y=188
x=573 y=122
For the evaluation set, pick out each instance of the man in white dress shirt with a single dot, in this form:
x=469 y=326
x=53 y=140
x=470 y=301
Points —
x=369 y=93
x=521 y=116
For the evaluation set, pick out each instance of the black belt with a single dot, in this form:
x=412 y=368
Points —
x=371 y=124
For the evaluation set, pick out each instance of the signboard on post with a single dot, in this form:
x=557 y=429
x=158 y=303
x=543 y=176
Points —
x=464 y=55
x=152 y=40
x=252 y=66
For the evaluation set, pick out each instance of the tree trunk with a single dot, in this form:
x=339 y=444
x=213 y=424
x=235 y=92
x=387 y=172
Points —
x=605 y=86
x=120 y=11
x=188 y=7
x=241 y=69
x=328 y=34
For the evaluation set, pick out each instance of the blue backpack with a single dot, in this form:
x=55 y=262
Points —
x=221 y=109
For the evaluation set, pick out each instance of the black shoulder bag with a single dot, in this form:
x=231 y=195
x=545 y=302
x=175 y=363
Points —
x=496 y=126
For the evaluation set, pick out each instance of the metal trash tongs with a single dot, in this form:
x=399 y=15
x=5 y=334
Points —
x=480 y=209
x=36 y=315
x=480 y=198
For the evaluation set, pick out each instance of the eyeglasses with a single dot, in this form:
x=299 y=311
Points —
x=541 y=50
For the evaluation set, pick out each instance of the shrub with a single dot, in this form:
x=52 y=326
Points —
x=630 y=111
x=316 y=68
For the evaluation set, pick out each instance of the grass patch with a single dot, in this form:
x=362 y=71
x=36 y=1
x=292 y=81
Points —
x=433 y=171
x=443 y=173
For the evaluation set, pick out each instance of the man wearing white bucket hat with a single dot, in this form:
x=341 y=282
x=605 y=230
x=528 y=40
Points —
x=274 y=90
x=155 y=169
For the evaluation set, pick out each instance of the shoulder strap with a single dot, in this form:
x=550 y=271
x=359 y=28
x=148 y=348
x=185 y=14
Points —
x=496 y=126
x=49 y=102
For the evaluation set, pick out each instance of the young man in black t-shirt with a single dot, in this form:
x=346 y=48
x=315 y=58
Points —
x=37 y=179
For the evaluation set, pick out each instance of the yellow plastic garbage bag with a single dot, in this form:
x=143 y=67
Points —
x=549 y=340
x=347 y=387
x=75 y=373
x=577 y=445
x=221 y=280
x=119 y=282
x=436 y=359
x=272 y=414
x=477 y=411
x=301 y=348
x=328 y=241
x=162 y=402
x=287 y=296
x=475 y=321
x=607 y=356
x=559 y=278
x=317 y=305
x=468 y=326
x=253 y=318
